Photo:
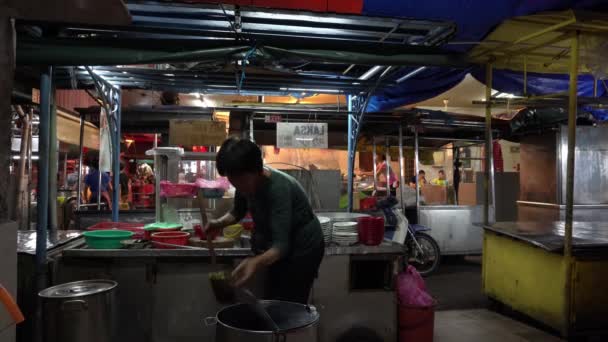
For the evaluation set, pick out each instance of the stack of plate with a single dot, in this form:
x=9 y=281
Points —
x=326 y=226
x=345 y=233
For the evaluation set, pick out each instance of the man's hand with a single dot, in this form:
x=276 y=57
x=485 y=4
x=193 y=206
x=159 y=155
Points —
x=244 y=271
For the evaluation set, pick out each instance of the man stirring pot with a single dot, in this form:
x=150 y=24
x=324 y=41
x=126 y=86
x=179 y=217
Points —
x=287 y=239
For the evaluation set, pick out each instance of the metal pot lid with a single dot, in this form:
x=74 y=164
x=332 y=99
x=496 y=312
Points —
x=78 y=289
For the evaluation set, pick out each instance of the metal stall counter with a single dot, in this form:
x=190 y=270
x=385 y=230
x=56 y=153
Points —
x=163 y=293
x=524 y=268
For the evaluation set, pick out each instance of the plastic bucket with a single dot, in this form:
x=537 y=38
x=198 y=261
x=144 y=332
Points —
x=172 y=238
x=371 y=230
x=416 y=323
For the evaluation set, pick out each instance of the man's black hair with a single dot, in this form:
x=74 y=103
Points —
x=238 y=156
x=422 y=172
x=441 y=171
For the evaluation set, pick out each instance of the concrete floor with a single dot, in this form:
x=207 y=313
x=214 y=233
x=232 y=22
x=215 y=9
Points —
x=462 y=313
x=483 y=325
x=457 y=284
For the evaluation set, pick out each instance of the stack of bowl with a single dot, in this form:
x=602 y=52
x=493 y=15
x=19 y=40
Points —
x=345 y=233
x=326 y=226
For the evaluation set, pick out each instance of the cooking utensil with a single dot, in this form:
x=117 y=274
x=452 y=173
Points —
x=256 y=305
x=80 y=311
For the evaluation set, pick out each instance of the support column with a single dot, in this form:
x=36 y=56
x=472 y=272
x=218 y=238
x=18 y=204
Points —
x=572 y=104
x=350 y=154
x=53 y=162
x=7 y=68
x=416 y=170
x=401 y=167
x=572 y=111
x=387 y=159
x=43 y=175
x=375 y=161
x=488 y=154
x=80 y=158
x=116 y=158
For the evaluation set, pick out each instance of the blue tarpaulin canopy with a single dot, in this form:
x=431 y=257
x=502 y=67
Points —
x=474 y=20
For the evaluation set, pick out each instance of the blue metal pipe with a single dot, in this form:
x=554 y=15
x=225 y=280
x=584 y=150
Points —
x=43 y=175
x=351 y=153
x=116 y=159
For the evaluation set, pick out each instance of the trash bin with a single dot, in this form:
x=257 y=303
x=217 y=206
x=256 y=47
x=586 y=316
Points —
x=79 y=311
x=416 y=323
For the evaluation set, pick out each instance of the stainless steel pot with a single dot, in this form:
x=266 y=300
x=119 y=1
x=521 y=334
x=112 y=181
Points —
x=79 y=311
x=237 y=323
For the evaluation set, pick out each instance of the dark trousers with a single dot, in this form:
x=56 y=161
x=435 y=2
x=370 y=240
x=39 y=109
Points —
x=291 y=279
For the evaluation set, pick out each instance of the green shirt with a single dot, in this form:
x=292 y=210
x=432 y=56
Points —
x=282 y=215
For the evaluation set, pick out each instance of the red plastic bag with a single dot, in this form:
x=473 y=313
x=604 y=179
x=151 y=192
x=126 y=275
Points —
x=412 y=289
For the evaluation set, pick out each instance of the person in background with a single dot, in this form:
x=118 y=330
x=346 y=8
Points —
x=91 y=182
x=126 y=192
x=421 y=179
x=381 y=175
x=288 y=239
x=440 y=180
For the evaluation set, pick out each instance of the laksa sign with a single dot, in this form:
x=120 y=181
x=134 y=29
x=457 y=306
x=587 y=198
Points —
x=301 y=135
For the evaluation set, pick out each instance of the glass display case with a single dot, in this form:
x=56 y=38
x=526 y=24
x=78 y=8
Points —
x=176 y=174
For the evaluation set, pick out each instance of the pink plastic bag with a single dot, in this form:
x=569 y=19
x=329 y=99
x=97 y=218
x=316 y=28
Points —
x=219 y=183
x=168 y=189
x=412 y=289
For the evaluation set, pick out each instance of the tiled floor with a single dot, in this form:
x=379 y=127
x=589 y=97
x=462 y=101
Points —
x=482 y=325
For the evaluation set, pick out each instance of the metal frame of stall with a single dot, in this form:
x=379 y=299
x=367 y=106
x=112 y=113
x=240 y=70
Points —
x=85 y=45
x=563 y=293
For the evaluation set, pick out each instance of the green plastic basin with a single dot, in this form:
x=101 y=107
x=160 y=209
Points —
x=106 y=239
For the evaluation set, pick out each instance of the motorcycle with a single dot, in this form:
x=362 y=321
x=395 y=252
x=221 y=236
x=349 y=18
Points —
x=422 y=250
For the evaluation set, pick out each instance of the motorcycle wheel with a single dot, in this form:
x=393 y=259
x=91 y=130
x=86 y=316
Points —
x=427 y=262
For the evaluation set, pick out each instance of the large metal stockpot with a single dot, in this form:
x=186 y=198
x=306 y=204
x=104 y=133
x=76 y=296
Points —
x=79 y=311
x=238 y=323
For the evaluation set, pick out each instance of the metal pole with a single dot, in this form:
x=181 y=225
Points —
x=594 y=86
x=157 y=206
x=375 y=158
x=251 y=128
x=80 y=157
x=29 y=168
x=572 y=107
x=65 y=170
x=525 y=75
x=101 y=113
x=53 y=164
x=116 y=159
x=43 y=176
x=350 y=155
x=572 y=103
x=388 y=167
x=416 y=170
x=401 y=167
x=488 y=138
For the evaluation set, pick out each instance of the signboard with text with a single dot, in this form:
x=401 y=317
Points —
x=272 y=118
x=301 y=135
x=196 y=133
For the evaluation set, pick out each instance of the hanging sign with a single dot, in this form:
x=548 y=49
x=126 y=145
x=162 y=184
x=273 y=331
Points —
x=196 y=133
x=301 y=135
x=272 y=118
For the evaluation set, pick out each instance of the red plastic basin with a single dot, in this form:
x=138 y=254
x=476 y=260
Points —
x=172 y=238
